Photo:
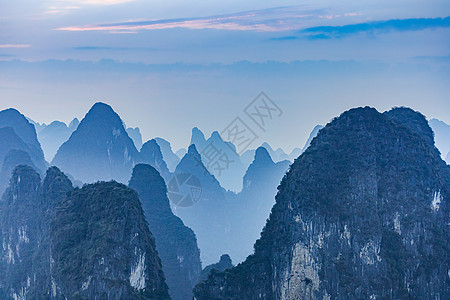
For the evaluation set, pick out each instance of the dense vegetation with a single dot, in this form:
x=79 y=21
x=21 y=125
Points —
x=354 y=217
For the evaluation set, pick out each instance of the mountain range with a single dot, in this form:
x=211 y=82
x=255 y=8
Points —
x=175 y=243
x=361 y=214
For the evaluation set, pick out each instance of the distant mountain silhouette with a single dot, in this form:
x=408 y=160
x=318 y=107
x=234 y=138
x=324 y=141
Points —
x=18 y=146
x=135 y=135
x=23 y=133
x=220 y=158
x=100 y=148
x=180 y=153
x=175 y=242
x=441 y=137
x=198 y=138
x=209 y=215
x=12 y=159
x=54 y=135
x=276 y=155
x=312 y=135
x=223 y=264
x=151 y=154
x=170 y=158
x=255 y=201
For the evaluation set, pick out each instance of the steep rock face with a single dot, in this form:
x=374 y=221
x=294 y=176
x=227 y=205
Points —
x=175 y=243
x=223 y=264
x=362 y=213
x=102 y=247
x=100 y=148
x=19 y=231
x=151 y=154
x=26 y=211
x=12 y=159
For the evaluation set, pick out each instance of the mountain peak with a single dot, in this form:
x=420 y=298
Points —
x=216 y=136
x=262 y=156
x=151 y=154
x=192 y=150
x=99 y=149
x=197 y=137
x=225 y=259
x=74 y=124
x=413 y=120
x=101 y=107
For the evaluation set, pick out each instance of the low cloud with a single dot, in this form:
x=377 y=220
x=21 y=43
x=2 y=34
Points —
x=14 y=46
x=264 y=20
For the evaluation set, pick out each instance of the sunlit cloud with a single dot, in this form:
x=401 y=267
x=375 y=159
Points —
x=105 y=2
x=265 y=20
x=65 y=6
x=13 y=46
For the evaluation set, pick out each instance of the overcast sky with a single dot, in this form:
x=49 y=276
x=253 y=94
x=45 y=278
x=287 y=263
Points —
x=167 y=66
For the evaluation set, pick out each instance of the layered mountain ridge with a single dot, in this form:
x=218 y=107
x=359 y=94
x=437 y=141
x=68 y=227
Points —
x=362 y=213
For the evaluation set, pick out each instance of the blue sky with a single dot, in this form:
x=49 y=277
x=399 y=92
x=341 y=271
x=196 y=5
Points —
x=167 y=66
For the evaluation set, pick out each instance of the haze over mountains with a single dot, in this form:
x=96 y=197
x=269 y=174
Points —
x=362 y=214
x=147 y=233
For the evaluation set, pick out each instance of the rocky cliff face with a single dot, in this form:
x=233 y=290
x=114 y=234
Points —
x=102 y=247
x=362 y=213
x=26 y=211
x=175 y=243
x=92 y=244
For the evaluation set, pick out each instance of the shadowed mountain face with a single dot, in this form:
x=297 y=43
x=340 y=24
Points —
x=21 y=137
x=151 y=154
x=89 y=243
x=102 y=247
x=175 y=243
x=99 y=149
x=362 y=213
x=27 y=209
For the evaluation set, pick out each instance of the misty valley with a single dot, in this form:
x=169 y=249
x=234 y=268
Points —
x=360 y=210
